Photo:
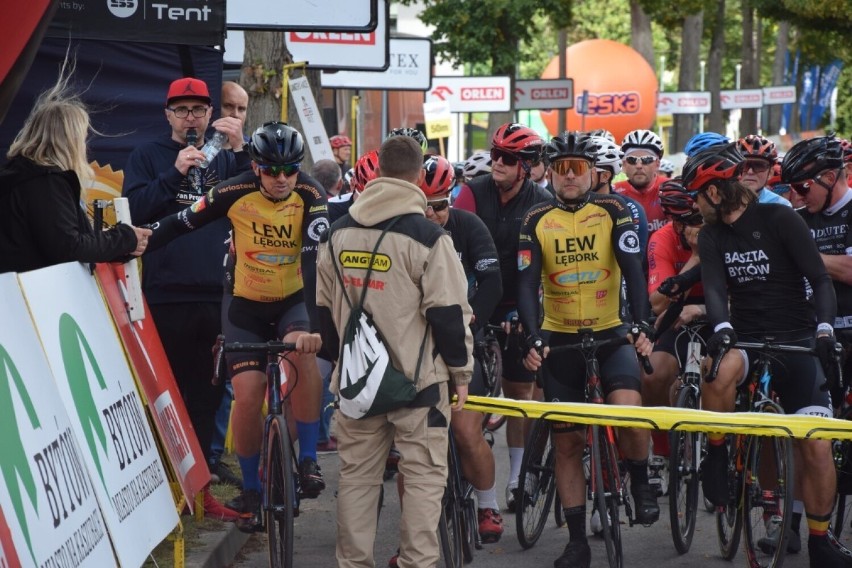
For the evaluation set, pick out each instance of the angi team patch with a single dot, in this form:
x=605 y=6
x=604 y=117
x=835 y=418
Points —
x=361 y=259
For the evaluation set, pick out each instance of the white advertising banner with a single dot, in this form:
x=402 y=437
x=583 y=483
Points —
x=312 y=126
x=472 y=94
x=351 y=15
x=410 y=69
x=779 y=95
x=544 y=94
x=49 y=514
x=744 y=98
x=684 y=102
x=96 y=386
x=343 y=50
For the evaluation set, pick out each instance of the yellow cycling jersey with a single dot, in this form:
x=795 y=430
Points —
x=272 y=240
x=576 y=253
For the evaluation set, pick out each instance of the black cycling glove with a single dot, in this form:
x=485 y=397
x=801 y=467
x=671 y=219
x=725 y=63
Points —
x=679 y=283
x=725 y=337
x=829 y=358
x=534 y=342
x=647 y=329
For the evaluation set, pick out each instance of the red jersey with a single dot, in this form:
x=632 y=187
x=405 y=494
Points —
x=649 y=199
x=667 y=256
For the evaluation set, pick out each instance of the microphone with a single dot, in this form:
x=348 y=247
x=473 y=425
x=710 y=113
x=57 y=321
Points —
x=191 y=136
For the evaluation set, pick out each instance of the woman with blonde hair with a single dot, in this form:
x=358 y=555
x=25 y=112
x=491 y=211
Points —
x=42 y=216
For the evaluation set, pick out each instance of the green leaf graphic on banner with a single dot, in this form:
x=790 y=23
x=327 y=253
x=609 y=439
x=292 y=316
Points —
x=73 y=345
x=13 y=458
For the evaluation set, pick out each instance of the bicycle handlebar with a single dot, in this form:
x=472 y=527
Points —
x=220 y=348
x=589 y=343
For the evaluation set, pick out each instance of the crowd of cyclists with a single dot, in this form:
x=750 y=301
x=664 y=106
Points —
x=576 y=250
x=553 y=246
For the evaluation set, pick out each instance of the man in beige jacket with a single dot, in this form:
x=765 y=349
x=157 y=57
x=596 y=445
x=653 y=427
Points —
x=419 y=291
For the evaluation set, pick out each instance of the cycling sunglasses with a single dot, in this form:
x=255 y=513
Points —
x=275 y=171
x=757 y=166
x=646 y=160
x=576 y=165
x=438 y=205
x=508 y=158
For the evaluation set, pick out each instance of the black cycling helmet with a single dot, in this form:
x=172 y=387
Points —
x=418 y=136
x=716 y=163
x=677 y=203
x=276 y=144
x=571 y=145
x=809 y=157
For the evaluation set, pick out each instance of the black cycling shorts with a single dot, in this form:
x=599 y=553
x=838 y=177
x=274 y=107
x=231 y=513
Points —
x=247 y=321
x=565 y=372
x=796 y=378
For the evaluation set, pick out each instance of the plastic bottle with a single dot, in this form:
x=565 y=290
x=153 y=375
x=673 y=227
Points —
x=212 y=147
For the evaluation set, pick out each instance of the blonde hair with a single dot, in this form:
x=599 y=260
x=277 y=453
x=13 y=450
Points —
x=55 y=132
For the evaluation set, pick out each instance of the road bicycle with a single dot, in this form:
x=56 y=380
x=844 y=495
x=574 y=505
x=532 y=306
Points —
x=489 y=353
x=458 y=528
x=760 y=468
x=537 y=481
x=279 y=470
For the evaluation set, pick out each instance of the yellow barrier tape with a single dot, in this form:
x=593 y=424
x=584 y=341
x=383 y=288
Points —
x=668 y=418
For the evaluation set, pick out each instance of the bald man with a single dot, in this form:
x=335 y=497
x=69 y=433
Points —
x=234 y=101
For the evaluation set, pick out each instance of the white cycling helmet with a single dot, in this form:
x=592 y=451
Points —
x=604 y=133
x=666 y=167
x=478 y=164
x=608 y=153
x=644 y=139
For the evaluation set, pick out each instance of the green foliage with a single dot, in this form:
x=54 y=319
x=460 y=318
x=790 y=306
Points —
x=844 y=104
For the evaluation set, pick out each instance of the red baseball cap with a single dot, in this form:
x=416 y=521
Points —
x=188 y=88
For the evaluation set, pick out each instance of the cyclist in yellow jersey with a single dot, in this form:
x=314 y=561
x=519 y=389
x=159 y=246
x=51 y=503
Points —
x=277 y=215
x=577 y=248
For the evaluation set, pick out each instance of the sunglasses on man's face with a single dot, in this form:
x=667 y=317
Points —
x=562 y=167
x=275 y=171
x=757 y=166
x=438 y=205
x=646 y=160
x=508 y=158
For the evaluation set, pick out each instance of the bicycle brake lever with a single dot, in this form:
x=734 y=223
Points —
x=218 y=352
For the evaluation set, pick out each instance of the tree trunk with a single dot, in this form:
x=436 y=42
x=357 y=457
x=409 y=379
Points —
x=685 y=125
x=748 y=79
x=640 y=32
x=773 y=124
x=714 y=68
x=262 y=76
x=497 y=119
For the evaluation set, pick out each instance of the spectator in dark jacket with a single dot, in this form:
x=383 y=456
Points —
x=42 y=217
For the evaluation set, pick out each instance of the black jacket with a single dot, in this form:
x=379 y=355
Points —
x=42 y=222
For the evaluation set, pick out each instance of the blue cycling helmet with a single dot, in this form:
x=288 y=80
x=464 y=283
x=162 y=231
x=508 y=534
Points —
x=701 y=142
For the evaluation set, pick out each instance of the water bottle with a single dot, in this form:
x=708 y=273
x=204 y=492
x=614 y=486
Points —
x=212 y=147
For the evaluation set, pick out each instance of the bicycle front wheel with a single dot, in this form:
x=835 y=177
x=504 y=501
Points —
x=492 y=375
x=536 y=485
x=842 y=450
x=683 y=477
x=450 y=530
x=767 y=500
x=279 y=494
x=729 y=519
x=607 y=491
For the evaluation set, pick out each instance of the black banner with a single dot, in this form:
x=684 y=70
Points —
x=186 y=22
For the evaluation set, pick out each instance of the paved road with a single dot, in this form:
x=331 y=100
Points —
x=651 y=546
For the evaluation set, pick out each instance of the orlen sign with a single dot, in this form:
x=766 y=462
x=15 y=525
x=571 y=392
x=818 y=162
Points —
x=743 y=98
x=779 y=95
x=544 y=94
x=472 y=94
x=332 y=38
x=684 y=102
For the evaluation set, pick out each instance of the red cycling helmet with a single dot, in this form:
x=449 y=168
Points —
x=716 y=163
x=439 y=178
x=339 y=141
x=754 y=146
x=518 y=139
x=366 y=170
x=775 y=174
x=677 y=204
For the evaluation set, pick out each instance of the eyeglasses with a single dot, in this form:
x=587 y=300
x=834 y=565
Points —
x=275 y=171
x=182 y=111
x=562 y=167
x=757 y=166
x=438 y=205
x=646 y=160
x=508 y=158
